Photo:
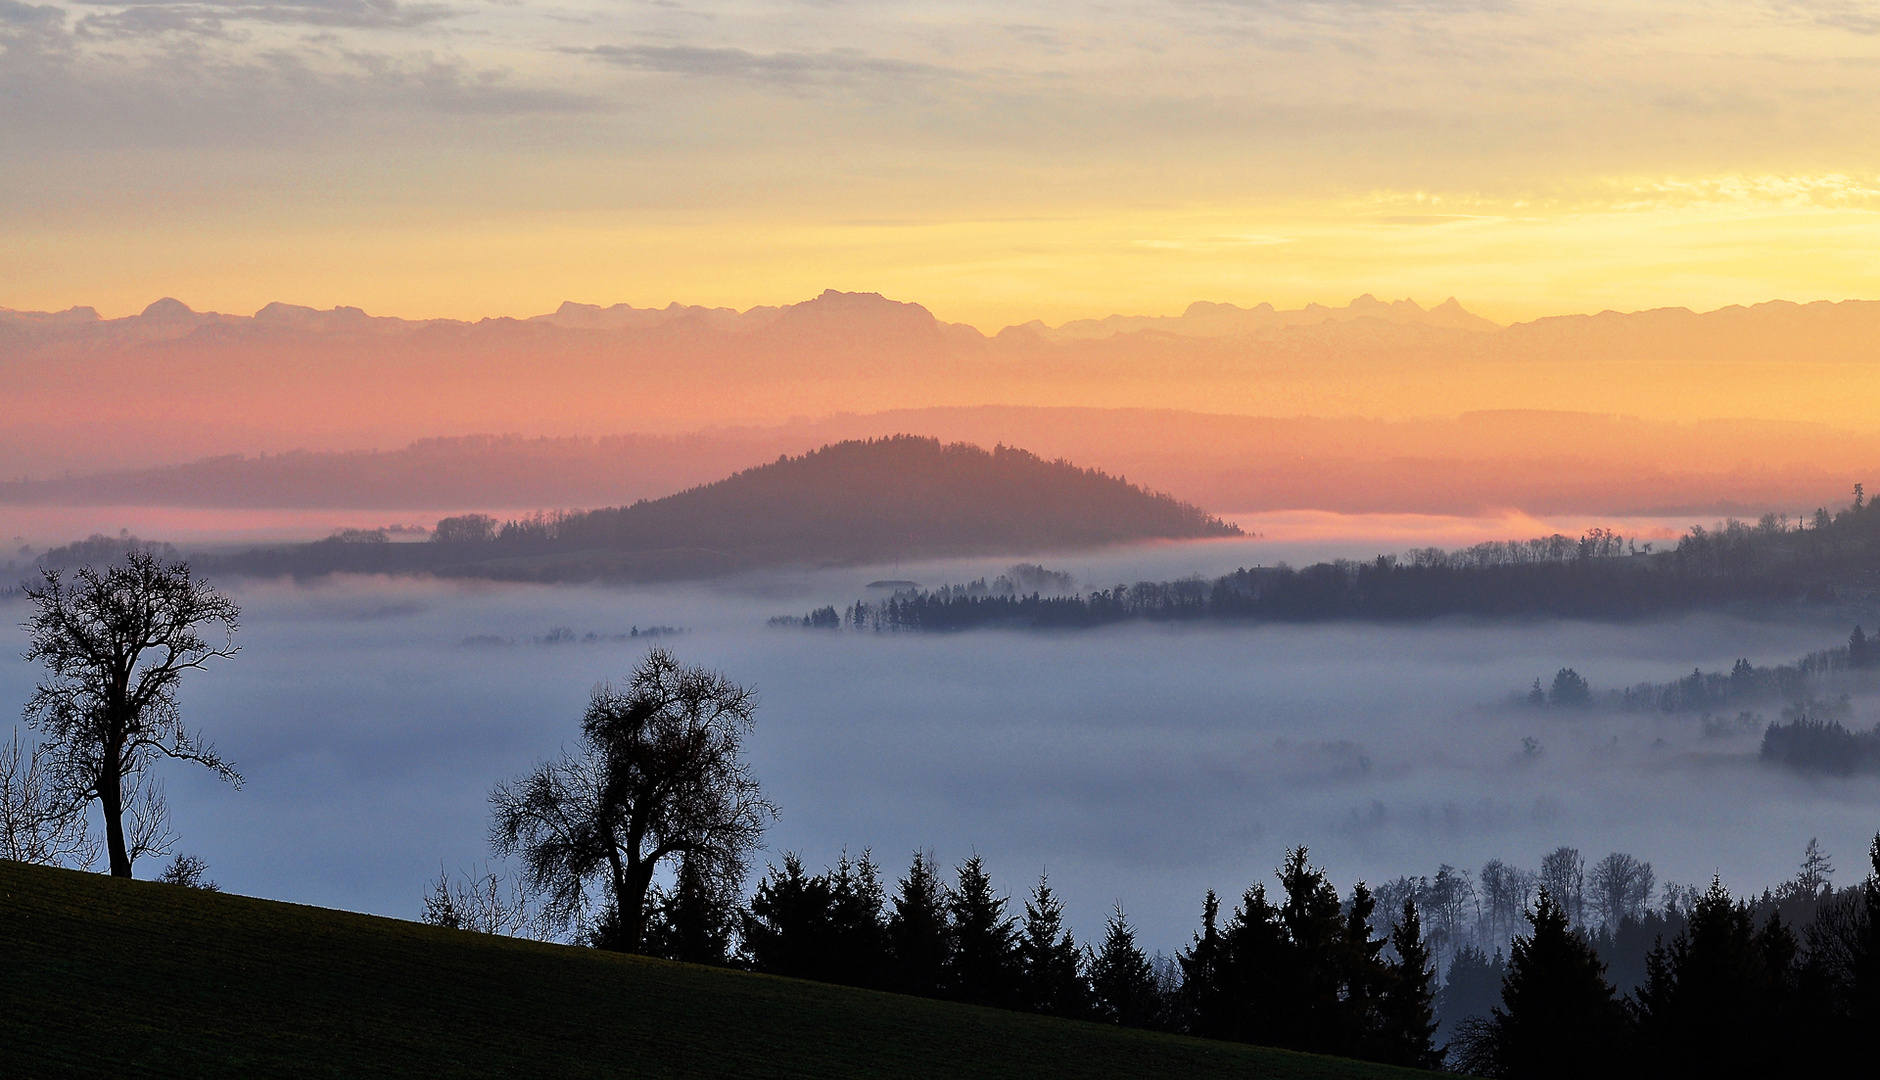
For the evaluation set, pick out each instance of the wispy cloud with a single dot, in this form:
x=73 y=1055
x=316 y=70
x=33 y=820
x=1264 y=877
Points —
x=779 y=68
x=14 y=13
x=1851 y=15
x=207 y=17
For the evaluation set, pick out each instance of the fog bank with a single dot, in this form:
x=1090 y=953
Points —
x=1142 y=763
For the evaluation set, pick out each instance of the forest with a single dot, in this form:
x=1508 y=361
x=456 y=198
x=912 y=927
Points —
x=1822 y=560
x=1598 y=966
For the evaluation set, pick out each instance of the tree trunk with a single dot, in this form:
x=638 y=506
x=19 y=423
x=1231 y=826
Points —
x=111 y=802
x=631 y=903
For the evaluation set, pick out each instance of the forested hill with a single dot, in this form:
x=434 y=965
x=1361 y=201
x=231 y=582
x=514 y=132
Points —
x=1831 y=558
x=852 y=502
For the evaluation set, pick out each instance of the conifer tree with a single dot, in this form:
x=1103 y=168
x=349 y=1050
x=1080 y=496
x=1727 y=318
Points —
x=693 y=921
x=983 y=968
x=1407 y=1005
x=919 y=940
x=1863 y=961
x=788 y=926
x=1122 y=981
x=1363 y=977
x=1558 y=1016
x=859 y=941
x=1713 y=995
x=1256 y=972
x=1050 y=962
x=1471 y=987
x=1204 y=1005
x=1315 y=967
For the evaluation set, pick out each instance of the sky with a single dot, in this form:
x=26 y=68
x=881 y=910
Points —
x=997 y=162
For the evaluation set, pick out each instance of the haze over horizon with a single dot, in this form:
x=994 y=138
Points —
x=1200 y=316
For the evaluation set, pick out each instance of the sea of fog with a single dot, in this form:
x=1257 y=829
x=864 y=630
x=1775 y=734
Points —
x=1137 y=764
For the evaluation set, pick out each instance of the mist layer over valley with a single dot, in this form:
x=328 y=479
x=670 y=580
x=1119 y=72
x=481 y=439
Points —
x=1140 y=764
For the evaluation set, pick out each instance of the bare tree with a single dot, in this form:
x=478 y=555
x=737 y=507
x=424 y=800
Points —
x=482 y=902
x=1506 y=892
x=1622 y=888
x=659 y=776
x=1453 y=907
x=1563 y=875
x=37 y=825
x=116 y=644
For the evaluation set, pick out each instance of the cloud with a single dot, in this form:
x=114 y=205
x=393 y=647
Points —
x=794 y=69
x=14 y=13
x=1858 y=18
x=205 y=17
x=31 y=34
x=204 y=89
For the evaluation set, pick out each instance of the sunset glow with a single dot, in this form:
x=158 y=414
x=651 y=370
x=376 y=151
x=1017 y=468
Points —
x=996 y=162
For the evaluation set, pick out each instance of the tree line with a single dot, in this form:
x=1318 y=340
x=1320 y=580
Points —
x=1811 y=734
x=1599 y=575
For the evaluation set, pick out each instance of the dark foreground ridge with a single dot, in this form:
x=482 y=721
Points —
x=101 y=976
x=856 y=502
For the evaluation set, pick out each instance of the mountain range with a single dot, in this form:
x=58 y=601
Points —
x=171 y=386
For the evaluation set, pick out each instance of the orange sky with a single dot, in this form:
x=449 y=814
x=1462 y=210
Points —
x=997 y=161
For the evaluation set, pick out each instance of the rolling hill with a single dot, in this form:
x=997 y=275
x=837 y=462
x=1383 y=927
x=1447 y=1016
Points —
x=101 y=976
x=849 y=503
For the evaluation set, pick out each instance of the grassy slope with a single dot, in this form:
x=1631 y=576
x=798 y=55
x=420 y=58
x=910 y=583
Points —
x=103 y=977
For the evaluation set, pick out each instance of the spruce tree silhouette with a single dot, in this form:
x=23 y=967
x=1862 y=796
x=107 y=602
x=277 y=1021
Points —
x=1050 y=963
x=1407 y=1004
x=1122 y=981
x=788 y=927
x=1863 y=967
x=1363 y=978
x=1471 y=987
x=983 y=968
x=1258 y=970
x=920 y=944
x=1558 y=1016
x=1315 y=965
x=858 y=950
x=1204 y=1006
x=1714 y=995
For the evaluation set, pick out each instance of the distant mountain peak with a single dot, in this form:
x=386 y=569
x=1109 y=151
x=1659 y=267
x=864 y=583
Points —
x=1209 y=319
x=168 y=309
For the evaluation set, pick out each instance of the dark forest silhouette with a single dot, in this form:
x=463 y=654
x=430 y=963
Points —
x=1600 y=575
x=1589 y=974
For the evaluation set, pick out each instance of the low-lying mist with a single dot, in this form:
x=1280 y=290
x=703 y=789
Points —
x=1140 y=764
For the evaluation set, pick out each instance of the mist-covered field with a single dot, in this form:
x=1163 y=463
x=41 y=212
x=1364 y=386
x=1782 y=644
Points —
x=1140 y=764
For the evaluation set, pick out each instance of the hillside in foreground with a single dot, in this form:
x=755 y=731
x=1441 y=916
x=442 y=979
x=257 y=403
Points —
x=850 y=503
x=100 y=976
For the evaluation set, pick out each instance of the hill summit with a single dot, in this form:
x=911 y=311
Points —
x=849 y=503
x=898 y=497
